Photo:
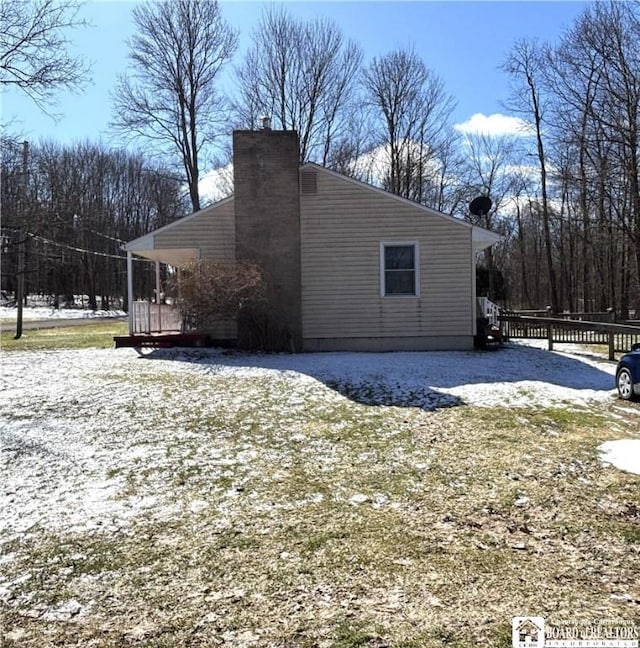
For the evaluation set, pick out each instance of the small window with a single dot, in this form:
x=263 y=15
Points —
x=399 y=269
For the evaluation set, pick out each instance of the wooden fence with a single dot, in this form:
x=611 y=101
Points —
x=617 y=337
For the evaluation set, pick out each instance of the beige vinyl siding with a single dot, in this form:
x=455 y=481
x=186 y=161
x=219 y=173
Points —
x=211 y=230
x=342 y=226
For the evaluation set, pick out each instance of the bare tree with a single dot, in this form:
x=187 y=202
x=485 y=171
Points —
x=348 y=154
x=614 y=36
x=574 y=75
x=525 y=66
x=410 y=111
x=302 y=75
x=441 y=193
x=524 y=259
x=489 y=170
x=576 y=223
x=171 y=97
x=34 y=54
x=594 y=76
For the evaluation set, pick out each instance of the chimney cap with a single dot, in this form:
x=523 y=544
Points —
x=266 y=122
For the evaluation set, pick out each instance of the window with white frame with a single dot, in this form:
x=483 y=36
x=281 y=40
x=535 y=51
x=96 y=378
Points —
x=399 y=269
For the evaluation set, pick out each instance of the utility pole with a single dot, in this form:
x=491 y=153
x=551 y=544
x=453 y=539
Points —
x=22 y=243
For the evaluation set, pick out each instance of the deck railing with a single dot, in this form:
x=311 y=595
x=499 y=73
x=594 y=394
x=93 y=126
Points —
x=149 y=318
x=490 y=310
x=617 y=337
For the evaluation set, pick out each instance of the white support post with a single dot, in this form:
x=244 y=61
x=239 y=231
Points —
x=130 y=289
x=474 y=299
x=158 y=296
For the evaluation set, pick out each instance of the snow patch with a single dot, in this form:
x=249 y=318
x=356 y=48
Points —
x=517 y=375
x=43 y=313
x=623 y=454
x=90 y=439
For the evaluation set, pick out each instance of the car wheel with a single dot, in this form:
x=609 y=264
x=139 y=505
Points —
x=624 y=384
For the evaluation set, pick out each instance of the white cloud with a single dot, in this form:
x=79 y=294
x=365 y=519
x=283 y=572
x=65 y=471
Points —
x=216 y=184
x=530 y=171
x=373 y=165
x=496 y=125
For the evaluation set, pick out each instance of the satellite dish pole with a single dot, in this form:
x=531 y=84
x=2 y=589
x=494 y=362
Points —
x=481 y=206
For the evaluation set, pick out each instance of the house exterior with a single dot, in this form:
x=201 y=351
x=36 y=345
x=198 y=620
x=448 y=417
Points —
x=349 y=266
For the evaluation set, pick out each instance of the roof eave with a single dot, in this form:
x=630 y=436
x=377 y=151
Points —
x=179 y=221
x=483 y=238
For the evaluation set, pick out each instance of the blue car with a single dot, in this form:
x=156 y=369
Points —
x=628 y=374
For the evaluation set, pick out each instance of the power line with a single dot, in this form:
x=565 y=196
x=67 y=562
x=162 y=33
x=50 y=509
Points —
x=106 y=236
x=74 y=248
x=75 y=226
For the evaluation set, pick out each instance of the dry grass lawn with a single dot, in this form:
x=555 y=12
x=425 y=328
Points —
x=298 y=517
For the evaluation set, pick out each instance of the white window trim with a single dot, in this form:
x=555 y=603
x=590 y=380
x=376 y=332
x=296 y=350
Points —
x=416 y=259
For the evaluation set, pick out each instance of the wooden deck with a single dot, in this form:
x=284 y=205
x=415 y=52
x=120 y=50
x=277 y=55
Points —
x=618 y=337
x=166 y=340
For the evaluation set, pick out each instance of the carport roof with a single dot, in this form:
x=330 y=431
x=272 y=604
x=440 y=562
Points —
x=145 y=247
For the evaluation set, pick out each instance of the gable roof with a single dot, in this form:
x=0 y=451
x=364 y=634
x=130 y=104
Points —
x=383 y=192
x=146 y=241
x=481 y=237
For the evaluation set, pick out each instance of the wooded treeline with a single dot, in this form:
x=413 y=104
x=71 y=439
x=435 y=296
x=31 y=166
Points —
x=582 y=96
x=75 y=206
x=565 y=189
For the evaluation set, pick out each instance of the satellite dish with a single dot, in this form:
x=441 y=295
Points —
x=480 y=206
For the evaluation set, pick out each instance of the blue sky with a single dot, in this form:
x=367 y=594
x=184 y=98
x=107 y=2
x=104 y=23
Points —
x=463 y=42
